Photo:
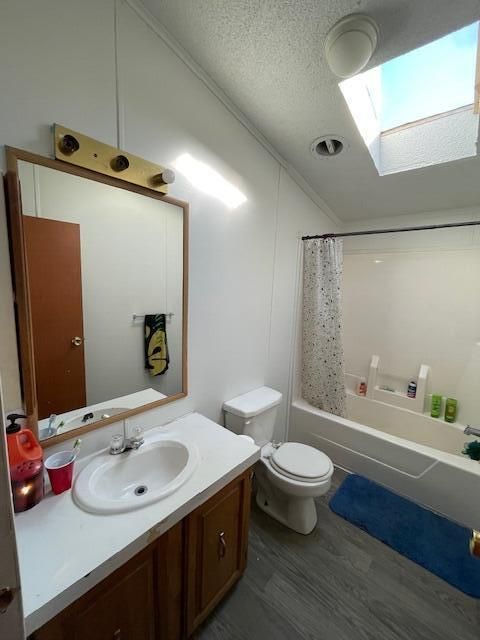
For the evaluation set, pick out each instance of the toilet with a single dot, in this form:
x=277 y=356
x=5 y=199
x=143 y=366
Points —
x=289 y=475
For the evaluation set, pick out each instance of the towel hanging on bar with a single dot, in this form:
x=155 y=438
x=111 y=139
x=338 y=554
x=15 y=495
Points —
x=157 y=357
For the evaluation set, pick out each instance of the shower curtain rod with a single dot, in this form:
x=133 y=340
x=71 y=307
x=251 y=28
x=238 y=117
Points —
x=372 y=232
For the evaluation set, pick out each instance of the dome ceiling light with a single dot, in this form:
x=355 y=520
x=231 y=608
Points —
x=350 y=44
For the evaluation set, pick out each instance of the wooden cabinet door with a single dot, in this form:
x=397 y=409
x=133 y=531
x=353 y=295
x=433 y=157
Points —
x=170 y=580
x=121 y=607
x=124 y=612
x=217 y=542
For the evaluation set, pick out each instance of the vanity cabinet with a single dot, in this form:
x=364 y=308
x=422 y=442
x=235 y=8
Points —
x=169 y=588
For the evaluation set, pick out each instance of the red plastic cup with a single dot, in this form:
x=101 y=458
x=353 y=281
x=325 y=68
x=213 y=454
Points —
x=60 y=470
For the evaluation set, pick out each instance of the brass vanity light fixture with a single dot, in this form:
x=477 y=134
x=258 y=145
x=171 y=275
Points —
x=475 y=543
x=82 y=151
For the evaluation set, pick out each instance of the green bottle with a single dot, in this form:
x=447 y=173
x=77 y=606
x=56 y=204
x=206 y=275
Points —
x=450 y=410
x=436 y=406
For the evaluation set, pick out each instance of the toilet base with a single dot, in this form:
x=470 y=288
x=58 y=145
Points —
x=296 y=513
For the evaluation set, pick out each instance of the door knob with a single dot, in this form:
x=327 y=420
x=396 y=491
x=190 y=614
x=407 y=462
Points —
x=6 y=597
x=77 y=341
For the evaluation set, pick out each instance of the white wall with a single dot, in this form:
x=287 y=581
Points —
x=412 y=298
x=132 y=259
x=66 y=74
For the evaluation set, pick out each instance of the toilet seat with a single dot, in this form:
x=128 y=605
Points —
x=301 y=463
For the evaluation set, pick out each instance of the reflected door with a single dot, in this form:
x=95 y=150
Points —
x=54 y=270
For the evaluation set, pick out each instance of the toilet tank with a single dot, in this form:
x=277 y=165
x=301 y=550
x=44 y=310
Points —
x=253 y=414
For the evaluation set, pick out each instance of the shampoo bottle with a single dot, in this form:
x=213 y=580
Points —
x=436 y=406
x=450 y=410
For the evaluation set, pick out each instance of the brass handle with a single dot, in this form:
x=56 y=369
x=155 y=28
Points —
x=6 y=597
x=475 y=543
x=222 y=545
x=77 y=341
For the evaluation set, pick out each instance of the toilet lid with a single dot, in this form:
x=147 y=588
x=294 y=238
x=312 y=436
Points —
x=301 y=461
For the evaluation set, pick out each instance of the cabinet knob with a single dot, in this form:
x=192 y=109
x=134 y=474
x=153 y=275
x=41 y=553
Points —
x=222 y=545
x=117 y=634
x=77 y=341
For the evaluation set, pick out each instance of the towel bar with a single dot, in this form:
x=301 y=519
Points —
x=142 y=315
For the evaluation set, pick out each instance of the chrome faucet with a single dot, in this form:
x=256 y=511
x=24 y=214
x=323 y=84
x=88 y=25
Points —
x=471 y=431
x=51 y=430
x=120 y=443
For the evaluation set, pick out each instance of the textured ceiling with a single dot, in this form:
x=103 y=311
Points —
x=267 y=56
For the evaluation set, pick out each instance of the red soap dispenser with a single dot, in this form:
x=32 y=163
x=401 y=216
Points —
x=25 y=457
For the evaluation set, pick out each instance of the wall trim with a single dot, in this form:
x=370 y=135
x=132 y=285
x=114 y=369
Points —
x=159 y=29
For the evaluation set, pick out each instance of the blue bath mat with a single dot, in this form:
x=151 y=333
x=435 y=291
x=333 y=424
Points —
x=433 y=542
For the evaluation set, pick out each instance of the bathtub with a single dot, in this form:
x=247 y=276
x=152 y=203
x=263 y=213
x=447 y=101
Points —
x=413 y=454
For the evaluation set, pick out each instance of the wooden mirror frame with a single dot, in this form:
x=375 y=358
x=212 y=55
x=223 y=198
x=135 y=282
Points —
x=22 y=295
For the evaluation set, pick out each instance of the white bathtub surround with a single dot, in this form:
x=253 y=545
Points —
x=411 y=298
x=64 y=551
x=398 y=397
x=415 y=455
x=323 y=373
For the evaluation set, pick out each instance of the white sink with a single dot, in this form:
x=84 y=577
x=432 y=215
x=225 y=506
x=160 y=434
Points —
x=134 y=479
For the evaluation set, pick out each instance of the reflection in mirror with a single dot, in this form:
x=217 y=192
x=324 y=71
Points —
x=105 y=282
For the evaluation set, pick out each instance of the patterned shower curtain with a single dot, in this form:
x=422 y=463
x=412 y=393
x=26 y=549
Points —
x=323 y=372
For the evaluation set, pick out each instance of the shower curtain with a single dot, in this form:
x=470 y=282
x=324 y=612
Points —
x=323 y=371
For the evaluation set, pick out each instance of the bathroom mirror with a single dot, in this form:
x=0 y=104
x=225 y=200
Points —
x=100 y=277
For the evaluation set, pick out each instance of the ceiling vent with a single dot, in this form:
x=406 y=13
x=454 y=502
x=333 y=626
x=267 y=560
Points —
x=327 y=146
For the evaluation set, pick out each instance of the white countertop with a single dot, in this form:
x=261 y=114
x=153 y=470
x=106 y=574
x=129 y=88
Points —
x=64 y=551
x=130 y=401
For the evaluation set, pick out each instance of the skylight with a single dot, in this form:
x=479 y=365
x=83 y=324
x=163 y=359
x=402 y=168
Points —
x=417 y=110
x=433 y=79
